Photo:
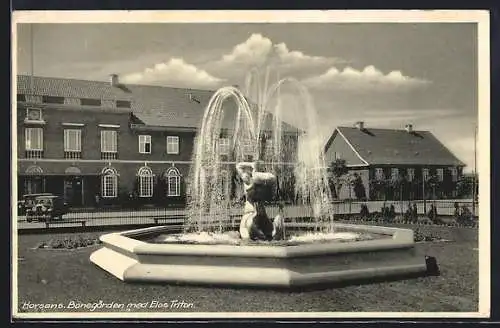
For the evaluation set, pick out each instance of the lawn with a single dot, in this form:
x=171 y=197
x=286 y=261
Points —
x=65 y=275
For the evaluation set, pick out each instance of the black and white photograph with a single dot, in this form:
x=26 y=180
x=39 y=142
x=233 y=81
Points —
x=250 y=164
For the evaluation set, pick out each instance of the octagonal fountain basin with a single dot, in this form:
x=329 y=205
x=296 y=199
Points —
x=353 y=253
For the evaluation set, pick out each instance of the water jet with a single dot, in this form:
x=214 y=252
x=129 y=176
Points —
x=263 y=252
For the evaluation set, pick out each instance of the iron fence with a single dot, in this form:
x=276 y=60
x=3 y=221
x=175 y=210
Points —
x=346 y=211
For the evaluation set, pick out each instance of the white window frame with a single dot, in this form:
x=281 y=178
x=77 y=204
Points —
x=225 y=181
x=174 y=175
x=440 y=174
x=454 y=174
x=109 y=177
x=224 y=144
x=173 y=141
x=425 y=174
x=394 y=173
x=269 y=147
x=33 y=109
x=247 y=148
x=146 y=183
x=28 y=138
x=113 y=146
x=77 y=146
x=143 y=140
x=379 y=173
x=410 y=174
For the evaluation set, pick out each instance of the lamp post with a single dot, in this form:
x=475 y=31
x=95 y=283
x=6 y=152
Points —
x=423 y=194
x=474 y=194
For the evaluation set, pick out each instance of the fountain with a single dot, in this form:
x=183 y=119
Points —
x=267 y=157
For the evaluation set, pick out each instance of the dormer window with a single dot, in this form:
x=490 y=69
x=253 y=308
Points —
x=123 y=104
x=90 y=102
x=52 y=100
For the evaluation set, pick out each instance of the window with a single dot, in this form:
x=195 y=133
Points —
x=52 y=100
x=379 y=173
x=425 y=174
x=247 y=148
x=269 y=147
x=411 y=174
x=440 y=174
x=454 y=174
x=145 y=176
x=225 y=183
x=21 y=97
x=224 y=146
x=34 y=138
x=394 y=173
x=33 y=115
x=145 y=144
x=109 y=185
x=123 y=104
x=72 y=143
x=172 y=145
x=109 y=145
x=90 y=102
x=34 y=142
x=173 y=182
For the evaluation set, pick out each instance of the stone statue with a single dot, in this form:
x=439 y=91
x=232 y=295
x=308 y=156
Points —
x=258 y=187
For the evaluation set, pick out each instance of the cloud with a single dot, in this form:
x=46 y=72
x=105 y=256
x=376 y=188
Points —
x=175 y=72
x=254 y=51
x=260 y=51
x=369 y=79
x=298 y=58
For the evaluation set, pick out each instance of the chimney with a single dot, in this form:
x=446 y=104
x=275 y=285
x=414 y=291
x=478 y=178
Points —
x=360 y=125
x=114 y=80
x=409 y=128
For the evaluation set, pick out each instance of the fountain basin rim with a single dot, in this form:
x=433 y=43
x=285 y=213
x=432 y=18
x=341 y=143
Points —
x=133 y=260
x=401 y=238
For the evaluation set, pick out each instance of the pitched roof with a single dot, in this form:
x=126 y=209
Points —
x=153 y=105
x=390 y=146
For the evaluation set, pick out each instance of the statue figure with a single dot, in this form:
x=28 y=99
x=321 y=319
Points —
x=258 y=187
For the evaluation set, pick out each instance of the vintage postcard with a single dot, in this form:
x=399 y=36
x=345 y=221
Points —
x=250 y=164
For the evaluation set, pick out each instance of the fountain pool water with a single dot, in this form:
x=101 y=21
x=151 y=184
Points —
x=233 y=238
x=208 y=249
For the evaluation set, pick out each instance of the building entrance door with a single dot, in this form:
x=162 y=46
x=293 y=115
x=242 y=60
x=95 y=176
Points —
x=73 y=190
x=34 y=185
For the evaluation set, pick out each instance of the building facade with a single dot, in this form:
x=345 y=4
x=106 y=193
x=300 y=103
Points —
x=395 y=164
x=101 y=143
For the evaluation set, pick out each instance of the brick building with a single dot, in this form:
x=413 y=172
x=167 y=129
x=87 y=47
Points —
x=395 y=164
x=82 y=139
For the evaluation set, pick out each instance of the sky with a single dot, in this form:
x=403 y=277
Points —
x=385 y=74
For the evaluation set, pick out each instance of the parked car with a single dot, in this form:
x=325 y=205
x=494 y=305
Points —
x=46 y=207
x=27 y=201
x=20 y=207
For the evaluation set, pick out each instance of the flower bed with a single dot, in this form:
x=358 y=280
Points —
x=422 y=236
x=69 y=243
